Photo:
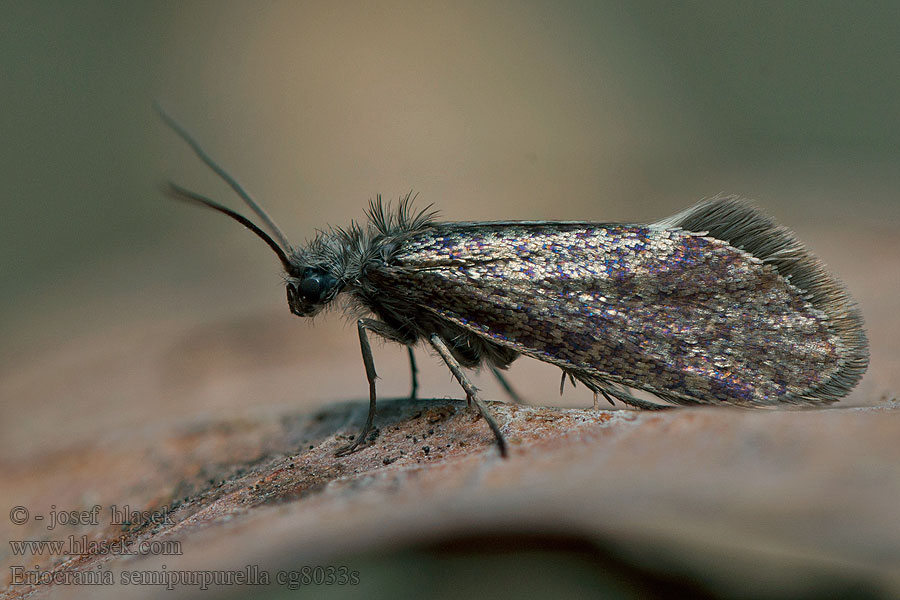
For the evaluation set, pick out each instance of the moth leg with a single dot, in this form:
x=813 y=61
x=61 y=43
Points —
x=415 y=374
x=471 y=390
x=384 y=330
x=506 y=386
x=371 y=375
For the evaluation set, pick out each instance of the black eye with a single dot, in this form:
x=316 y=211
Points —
x=315 y=286
x=311 y=287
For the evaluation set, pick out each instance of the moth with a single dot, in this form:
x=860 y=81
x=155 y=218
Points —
x=715 y=305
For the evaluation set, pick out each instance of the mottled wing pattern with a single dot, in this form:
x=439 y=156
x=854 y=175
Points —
x=668 y=311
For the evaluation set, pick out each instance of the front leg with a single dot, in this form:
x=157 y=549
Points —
x=471 y=390
x=384 y=330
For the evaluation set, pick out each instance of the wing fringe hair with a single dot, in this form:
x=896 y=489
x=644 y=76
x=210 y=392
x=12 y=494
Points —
x=742 y=225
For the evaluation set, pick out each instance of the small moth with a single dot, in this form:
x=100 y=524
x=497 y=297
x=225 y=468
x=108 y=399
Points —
x=717 y=304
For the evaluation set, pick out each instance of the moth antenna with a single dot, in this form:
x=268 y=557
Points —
x=231 y=181
x=181 y=193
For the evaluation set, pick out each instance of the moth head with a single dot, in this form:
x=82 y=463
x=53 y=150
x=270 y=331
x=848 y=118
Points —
x=310 y=291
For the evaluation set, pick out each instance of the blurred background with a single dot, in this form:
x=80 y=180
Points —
x=502 y=110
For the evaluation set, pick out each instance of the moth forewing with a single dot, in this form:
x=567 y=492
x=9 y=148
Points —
x=682 y=314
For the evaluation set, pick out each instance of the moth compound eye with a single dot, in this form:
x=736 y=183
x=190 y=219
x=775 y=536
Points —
x=311 y=287
x=307 y=294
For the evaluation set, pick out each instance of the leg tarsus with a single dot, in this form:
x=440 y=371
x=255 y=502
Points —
x=492 y=423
